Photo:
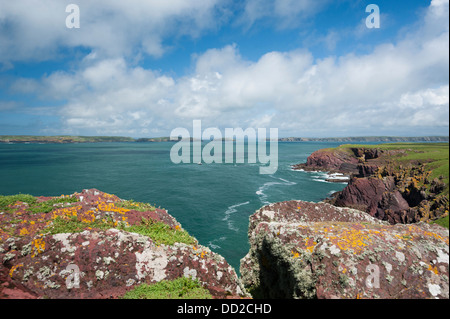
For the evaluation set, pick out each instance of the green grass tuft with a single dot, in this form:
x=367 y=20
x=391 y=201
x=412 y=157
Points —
x=73 y=225
x=6 y=201
x=161 y=233
x=442 y=221
x=33 y=206
x=132 y=205
x=180 y=288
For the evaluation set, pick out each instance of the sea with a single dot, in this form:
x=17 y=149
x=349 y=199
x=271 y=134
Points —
x=213 y=202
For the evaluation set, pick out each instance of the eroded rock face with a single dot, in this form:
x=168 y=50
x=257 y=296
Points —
x=394 y=193
x=101 y=263
x=331 y=161
x=307 y=250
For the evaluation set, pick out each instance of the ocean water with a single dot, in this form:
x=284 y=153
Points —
x=212 y=201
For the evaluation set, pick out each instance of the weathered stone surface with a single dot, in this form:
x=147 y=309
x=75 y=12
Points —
x=100 y=263
x=307 y=250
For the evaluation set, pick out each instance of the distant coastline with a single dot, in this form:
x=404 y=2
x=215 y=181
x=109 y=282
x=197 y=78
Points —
x=66 y=139
x=367 y=139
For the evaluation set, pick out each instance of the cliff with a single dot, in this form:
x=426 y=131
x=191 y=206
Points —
x=316 y=250
x=399 y=183
x=96 y=245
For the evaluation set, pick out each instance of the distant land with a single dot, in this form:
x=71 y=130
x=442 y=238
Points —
x=65 y=139
x=367 y=139
x=62 y=139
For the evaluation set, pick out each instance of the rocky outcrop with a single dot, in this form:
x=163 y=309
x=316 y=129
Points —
x=96 y=245
x=308 y=250
x=397 y=193
x=331 y=161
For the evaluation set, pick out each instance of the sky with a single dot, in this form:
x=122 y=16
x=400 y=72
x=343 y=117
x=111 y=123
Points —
x=141 y=68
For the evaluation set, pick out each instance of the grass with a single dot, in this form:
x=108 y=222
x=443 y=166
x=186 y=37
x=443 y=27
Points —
x=132 y=205
x=161 y=233
x=6 y=201
x=180 y=288
x=33 y=206
x=73 y=225
x=442 y=221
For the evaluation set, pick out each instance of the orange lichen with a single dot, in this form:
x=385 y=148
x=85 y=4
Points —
x=24 y=231
x=433 y=269
x=66 y=212
x=87 y=217
x=110 y=207
x=13 y=268
x=352 y=239
x=310 y=244
x=37 y=247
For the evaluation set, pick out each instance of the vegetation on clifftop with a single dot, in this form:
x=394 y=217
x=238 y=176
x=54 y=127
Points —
x=416 y=167
x=180 y=288
x=25 y=214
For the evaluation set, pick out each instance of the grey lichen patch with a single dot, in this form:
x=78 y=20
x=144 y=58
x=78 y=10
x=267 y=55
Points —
x=8 y=256
x=26 y=249
x=300 y=237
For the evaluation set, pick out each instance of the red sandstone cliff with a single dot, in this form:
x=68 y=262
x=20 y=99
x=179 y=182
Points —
x=378 y=186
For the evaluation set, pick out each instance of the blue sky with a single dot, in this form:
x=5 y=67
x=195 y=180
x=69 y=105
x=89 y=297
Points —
x=143 y=68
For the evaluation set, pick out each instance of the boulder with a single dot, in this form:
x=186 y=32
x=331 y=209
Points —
x=306 y=250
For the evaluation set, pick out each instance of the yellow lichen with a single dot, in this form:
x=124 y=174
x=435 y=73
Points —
x=13 y=268
x=37 y=247
x=110 y=207
x=24 y=231
x=433 y=269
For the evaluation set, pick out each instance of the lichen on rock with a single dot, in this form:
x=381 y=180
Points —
x=100 y=246
x=315 y=250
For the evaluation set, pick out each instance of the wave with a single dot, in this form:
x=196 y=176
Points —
x=215 y=246
x=324 y=176
x=231 y=210
x=261 y=190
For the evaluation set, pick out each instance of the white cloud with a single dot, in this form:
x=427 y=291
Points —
x=36 y=30
x=400 y=87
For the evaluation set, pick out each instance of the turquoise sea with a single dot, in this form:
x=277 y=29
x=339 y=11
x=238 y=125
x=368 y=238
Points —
x=213 y=202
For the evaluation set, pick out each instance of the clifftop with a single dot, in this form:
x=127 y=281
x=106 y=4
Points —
x=96 y=245
x=400 y=183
